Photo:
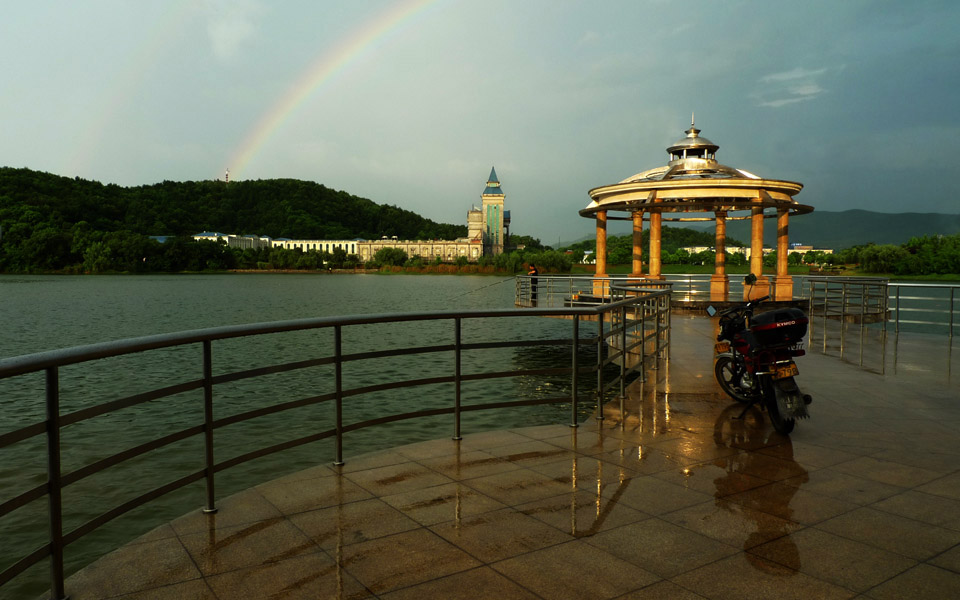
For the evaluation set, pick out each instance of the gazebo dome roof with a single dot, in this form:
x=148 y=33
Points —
x=703 y=171
x=693 y=140
x=693 y=181
x=693 y=157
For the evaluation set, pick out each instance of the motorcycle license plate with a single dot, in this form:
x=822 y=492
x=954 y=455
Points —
x=721 y=347
x=787 y=370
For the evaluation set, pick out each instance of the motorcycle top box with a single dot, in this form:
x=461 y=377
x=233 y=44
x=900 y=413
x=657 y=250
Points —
x=780 y=327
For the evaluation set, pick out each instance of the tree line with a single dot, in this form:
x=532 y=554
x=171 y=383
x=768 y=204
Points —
x=50 y=223
x=926 y=255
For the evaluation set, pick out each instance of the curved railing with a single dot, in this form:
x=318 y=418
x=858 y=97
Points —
x=640 y=322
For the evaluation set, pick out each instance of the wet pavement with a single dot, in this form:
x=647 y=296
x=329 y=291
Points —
x=672 y=498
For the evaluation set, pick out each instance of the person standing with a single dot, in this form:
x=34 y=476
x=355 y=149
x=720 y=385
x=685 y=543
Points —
x=533 y=284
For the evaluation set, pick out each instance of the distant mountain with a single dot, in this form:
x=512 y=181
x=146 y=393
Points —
x=826 y=229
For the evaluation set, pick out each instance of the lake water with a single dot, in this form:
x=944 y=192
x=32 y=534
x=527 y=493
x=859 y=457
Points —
x=39 y=313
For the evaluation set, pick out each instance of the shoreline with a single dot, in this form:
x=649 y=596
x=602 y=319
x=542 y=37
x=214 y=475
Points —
x=489 y=270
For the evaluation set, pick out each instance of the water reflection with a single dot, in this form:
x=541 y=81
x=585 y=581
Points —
x=748 y=435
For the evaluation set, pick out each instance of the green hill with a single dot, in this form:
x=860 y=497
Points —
x=274 y=207
x=48 y=222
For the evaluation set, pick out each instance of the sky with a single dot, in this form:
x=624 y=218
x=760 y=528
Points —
x=411 y=102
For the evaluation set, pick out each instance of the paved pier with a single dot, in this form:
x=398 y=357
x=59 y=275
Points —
x=671 y=499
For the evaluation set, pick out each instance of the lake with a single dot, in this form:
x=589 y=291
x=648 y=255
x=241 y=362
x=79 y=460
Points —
x=39 y=313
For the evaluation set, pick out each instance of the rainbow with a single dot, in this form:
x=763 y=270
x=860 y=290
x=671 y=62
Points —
x=323 y=70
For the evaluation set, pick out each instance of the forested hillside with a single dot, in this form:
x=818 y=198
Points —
x=50 y=222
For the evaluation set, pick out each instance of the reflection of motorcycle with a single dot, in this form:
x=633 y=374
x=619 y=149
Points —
x=754 y=360
x=772 y=513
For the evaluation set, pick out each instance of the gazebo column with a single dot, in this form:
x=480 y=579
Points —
x=600 y=285
x=782 y=283
x=655 y=219
x=637 y=244
x=762 y=286
x=719 y=282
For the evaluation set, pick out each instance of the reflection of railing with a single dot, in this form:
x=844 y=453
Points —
x=640 y=321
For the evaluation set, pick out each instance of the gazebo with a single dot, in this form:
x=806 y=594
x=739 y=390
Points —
x=693 y=183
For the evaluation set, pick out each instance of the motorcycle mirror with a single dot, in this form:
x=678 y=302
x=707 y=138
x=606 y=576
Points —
x=711 y=310
x=750 y=279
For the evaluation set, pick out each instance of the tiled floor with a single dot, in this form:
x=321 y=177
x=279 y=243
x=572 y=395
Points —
x=674 y=499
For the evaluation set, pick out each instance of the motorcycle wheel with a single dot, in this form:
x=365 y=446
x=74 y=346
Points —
x=781 y=425
x=729 y=379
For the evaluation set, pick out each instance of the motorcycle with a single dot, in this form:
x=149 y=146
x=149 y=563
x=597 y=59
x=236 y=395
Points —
x=755 y=360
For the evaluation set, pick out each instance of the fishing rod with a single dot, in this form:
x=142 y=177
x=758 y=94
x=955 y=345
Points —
x=482 y=288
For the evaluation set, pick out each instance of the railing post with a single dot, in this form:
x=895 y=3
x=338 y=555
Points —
x=643 y=341
x=338 y=379
x=456 y=379
x=668 y=305
x=623 y=351
x=54 y=483
x=863 y=317
x=812 y=291
x=600 y=340
x=574 y=377
x=843 y=317
x=826 y=309
x=208 y=424
x=897 y=325
x=656 y=339
x=883 y=298
x=952 y=289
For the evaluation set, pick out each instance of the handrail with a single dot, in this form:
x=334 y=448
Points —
x=639 y=320
x=950 y=311
x=590 y=290
x=882 y=300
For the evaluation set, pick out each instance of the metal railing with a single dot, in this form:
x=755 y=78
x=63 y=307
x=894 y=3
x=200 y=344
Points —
x=927 y=304
x=555 y=291
x=588 y=290
x=855 y=299
x=864 y=300
x=638 y=332
x=846 y=300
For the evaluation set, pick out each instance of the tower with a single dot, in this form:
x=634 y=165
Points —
x=492 y=209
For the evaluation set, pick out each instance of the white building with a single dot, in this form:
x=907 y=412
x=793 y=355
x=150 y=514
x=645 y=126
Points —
x=488 y=234
x=328 y=246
